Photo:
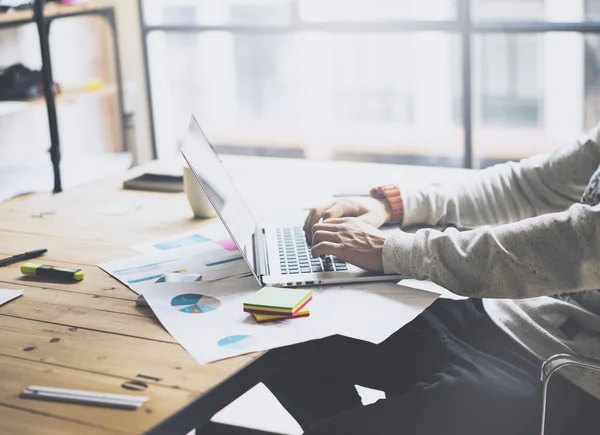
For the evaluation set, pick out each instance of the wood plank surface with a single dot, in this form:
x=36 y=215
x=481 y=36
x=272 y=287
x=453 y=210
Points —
x=96 y=281
x=84 y=311
x=165 y=364
x=16 y=421
x=90 y=335
x=153 y=216
x=68 y=250
x=17 y=374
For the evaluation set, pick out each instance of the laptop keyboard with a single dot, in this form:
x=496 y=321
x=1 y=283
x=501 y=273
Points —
x=295 y=256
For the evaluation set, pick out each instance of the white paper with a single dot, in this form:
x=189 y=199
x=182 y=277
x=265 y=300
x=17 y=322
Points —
x=430 y=286
x=9 y=295
x=208 y=320
x=144 y=271
x=189 y=242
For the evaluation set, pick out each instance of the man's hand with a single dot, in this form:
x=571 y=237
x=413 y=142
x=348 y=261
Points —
x=369 y=210
x=351 y=240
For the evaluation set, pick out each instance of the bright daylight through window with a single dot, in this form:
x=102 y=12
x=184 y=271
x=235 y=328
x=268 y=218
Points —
x=373 y=80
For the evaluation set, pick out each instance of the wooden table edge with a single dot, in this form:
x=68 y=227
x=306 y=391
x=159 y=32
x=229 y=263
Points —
x=199 y=412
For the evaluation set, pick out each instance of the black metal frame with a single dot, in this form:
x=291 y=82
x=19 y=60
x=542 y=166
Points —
x=43 y=24
x=463 y=25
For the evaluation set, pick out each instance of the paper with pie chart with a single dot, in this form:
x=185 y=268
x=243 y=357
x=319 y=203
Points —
x=237 y=342
x=204 y=239
x=165 y=268
x=208 y=320
x=195 y=303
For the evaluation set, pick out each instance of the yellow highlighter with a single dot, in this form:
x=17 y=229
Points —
x=52 y=272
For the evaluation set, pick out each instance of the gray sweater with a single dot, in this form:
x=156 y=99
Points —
x=531 y=248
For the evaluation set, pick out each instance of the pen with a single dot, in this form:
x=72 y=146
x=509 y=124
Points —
x=84 y=397
x=22 y=257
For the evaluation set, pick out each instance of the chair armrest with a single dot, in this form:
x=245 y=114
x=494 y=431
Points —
x=555 y=363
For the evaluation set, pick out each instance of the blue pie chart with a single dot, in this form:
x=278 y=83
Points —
x=194 y=303
x=237 y=342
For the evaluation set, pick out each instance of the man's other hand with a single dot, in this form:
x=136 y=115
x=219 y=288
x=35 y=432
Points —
x=369 y=210
x=351 y=240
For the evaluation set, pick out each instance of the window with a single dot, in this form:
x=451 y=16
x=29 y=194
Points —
x=375 y=80
x=510 y=73
x=370 y=84
x=592 y=67
x=511 y=80
x=508 y=10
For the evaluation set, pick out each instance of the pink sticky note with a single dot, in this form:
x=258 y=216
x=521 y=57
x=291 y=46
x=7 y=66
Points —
x=227 y=244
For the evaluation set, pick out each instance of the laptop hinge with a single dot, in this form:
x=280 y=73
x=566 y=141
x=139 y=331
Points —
x=260 y=253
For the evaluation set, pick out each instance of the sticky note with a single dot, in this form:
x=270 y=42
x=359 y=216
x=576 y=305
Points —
x=263 y=318
x=271 y=300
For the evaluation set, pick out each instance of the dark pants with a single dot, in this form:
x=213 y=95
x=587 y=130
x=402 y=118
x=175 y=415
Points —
x=451 y=371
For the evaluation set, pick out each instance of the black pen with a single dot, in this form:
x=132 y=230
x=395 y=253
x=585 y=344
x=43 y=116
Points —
x=22 y=257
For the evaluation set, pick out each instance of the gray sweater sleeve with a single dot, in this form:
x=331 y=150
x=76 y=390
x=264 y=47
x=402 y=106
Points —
x=538 y=248
x=508 y=192
x=544 y=255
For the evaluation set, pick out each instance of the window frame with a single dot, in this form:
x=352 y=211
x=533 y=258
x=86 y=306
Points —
x=464 y=25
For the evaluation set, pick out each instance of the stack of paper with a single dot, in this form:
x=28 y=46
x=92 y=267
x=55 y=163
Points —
x=271 y=303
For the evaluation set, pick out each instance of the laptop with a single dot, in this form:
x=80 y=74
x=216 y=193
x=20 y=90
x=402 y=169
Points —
x=277 y=255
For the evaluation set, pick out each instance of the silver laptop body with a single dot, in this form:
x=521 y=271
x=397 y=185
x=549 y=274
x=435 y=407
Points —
x=277 y=256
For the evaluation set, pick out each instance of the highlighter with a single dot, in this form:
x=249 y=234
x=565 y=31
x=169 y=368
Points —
x=58 y=273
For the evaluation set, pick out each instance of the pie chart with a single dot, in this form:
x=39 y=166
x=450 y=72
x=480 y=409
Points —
x=237 y=342
x=194 y=303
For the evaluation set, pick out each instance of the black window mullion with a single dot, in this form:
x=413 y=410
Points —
x=464 y=18
x=463 y=25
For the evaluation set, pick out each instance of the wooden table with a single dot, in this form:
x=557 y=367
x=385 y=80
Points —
x=91 y=335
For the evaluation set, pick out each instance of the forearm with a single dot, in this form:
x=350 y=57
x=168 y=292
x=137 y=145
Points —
x=540 y=256
x=509 y=192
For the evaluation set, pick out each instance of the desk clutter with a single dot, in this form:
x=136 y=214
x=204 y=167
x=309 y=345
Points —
x=197 y=285
x=203 y=292
x=110 y=400
x=199 y=281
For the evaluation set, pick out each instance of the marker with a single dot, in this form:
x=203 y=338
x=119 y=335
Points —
x=22 y=257
x=58 y=273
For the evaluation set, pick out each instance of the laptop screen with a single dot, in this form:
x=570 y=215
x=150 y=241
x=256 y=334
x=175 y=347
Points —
x=229 y=205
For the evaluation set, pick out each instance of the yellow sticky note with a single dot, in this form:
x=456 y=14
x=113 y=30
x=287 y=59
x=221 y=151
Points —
x=262 y=318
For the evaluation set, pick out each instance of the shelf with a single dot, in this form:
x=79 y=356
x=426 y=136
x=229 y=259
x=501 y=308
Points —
x=51 y=10
x=64 y=98
x=100 y=8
